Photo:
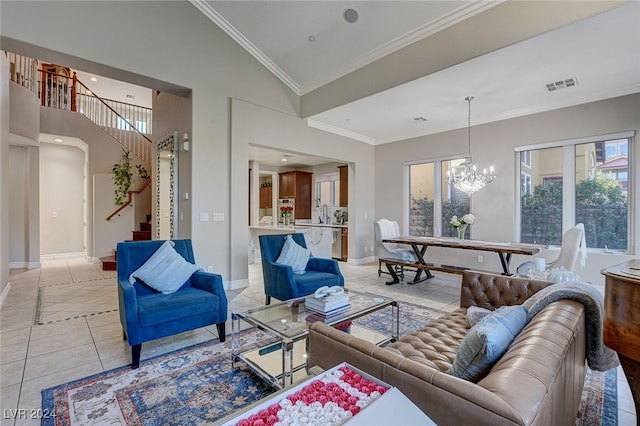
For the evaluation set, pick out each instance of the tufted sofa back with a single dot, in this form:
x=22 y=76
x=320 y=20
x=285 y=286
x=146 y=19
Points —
x=492 y=291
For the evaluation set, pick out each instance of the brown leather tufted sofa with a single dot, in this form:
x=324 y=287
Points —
x=538 y=381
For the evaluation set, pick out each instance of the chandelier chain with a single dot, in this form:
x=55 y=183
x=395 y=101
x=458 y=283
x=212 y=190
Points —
x=469 y=99
x=464 y=176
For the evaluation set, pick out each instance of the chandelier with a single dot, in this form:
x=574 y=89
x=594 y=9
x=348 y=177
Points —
x=464 y=176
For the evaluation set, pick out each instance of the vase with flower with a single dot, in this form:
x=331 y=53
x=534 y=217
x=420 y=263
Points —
x=460 y=224
x=286 y=212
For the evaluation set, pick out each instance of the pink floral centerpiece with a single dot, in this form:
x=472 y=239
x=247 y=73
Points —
x=329 y=401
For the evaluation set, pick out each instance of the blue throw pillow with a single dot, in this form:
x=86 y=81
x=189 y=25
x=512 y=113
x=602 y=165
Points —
x=487 y=341
x=165 y=271
x=294 y=255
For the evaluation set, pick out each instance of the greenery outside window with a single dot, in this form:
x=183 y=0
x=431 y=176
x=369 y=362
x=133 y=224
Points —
x=579 y=181
x=432 y=201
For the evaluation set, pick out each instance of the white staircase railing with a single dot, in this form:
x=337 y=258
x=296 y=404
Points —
x=126 y=123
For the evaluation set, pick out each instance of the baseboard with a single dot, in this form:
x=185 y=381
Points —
x=61 y=256
x=236 y=284
x=362 y=260
x=18 y=265
x=4 y=294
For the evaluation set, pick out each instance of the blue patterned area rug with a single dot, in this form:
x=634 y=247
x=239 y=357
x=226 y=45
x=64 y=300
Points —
x=197 y=385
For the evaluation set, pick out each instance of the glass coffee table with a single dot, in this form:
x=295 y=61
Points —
x=283 y=362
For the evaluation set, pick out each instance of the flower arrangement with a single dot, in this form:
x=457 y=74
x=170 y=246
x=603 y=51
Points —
x=460 y=224
x=467 y=219
x=286 y=211
x=333 y=400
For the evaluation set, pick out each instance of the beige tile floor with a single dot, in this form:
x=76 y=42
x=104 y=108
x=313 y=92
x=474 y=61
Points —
x=60 y=323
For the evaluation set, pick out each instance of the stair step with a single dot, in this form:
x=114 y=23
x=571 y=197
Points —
x=109 y=263
x=145 y=226
x=141 y=235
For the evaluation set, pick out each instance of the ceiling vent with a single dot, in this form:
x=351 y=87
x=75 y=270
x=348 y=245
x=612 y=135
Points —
x=561 y=84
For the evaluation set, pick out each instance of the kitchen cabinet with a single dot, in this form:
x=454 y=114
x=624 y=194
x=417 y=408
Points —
x=344 y=186
x=266 y=197
x=297 y=185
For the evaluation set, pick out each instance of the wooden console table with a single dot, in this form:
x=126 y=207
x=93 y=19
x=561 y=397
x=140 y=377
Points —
x=622 y=320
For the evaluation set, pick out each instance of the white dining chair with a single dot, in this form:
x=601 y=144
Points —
x=573 y=246
x=383 y=229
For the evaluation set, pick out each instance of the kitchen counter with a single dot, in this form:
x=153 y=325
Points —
x=318 y=239
x=279 y=227
x=321 y=225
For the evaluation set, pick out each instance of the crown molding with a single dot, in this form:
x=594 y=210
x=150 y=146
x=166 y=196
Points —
x=244 y=42
x=340 y=131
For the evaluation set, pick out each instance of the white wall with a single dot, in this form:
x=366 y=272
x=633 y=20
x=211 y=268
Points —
x=493 y=144
x=4 y=175
x=106 y=234
x=62 y=189
x=18 y=206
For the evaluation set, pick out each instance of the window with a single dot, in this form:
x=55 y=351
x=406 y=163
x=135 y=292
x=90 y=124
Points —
x=525 y=158
x=432 y=201
x=525 y=183
x=328 y=189
x=581 y=181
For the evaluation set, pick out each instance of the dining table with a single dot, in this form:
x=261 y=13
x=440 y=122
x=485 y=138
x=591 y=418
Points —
x=504 y=250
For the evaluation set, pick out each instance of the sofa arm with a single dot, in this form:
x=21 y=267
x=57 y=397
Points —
x=211 y=283
x=491 y=291
x=278 y=281
x=320 y=264
x=128 y=309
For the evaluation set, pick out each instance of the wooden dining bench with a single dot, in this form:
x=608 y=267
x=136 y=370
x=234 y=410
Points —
x=420 y=267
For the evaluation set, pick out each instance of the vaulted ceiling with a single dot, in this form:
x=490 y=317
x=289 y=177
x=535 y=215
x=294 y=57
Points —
x=375 y=60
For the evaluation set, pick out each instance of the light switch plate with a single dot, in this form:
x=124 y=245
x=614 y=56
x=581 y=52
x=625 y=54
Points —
x=218 y=217
x=204 y=217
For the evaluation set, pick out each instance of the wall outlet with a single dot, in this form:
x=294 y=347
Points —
x=210 y=269
x=480 y=258
x=365 y=249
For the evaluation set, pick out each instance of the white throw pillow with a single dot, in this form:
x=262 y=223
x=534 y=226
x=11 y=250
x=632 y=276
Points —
x=294 y=255
x=165 y=271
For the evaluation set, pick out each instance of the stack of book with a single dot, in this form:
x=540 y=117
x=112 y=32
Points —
x=328 y=308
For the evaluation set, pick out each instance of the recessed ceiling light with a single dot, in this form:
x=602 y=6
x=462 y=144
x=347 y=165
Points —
x=419 y=119
x=58 y=140
x=130 y=96
x=94 y=79
x=285 y=158
x=312 y=38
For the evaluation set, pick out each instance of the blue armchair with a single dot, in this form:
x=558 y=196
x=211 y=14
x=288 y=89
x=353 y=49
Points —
x=280 y=281
x=147 y=314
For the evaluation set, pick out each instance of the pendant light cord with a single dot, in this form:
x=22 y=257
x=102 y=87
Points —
x=469 y=99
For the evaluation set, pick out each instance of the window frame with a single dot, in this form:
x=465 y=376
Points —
x=569 y=181
x=438 y=180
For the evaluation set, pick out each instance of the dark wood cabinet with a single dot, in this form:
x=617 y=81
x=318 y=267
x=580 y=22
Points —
x=344 y=186
x=297 y=185
x=266 y=197
x=287 y=186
